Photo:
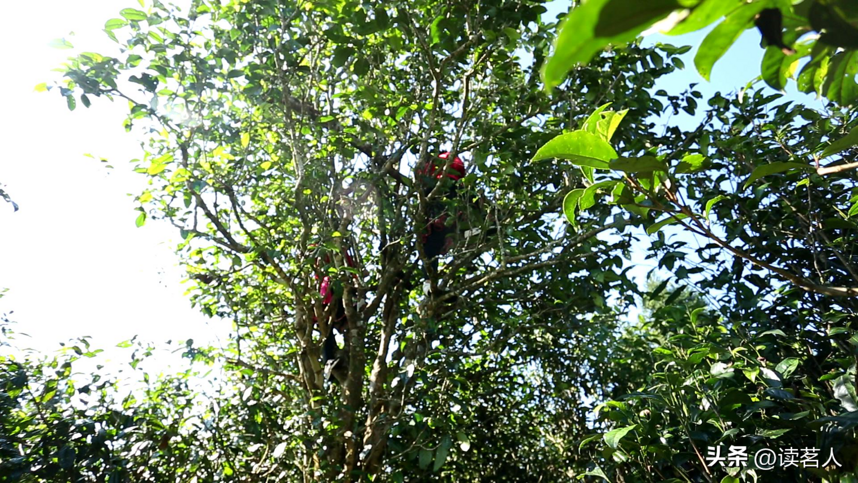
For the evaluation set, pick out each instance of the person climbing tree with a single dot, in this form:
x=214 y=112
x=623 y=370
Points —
x=438 y=236
x=333 y=357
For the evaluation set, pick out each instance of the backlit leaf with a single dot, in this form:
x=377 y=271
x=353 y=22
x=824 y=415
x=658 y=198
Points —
x=613 y=437
x=722 y=37
x=580 y=147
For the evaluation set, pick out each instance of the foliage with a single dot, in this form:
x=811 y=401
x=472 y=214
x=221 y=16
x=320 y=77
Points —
x=737 y=382
x=286 y=142
x=63 y=418
x=284 y=138
x=714 y=168
x=762 y=364
x=822 y=32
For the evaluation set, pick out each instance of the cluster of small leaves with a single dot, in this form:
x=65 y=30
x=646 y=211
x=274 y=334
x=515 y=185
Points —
x=728 y=382
x=66 y=417
x=704 y=186
x=822 y=32
x=764 y=193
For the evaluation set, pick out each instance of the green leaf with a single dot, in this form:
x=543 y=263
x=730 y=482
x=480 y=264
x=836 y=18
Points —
x=613 y=437
x=586 y=440
x=842 y=144
x=711 y=203
x=722 y=37
x=665 y=221
x=577 y=42
x=773 y=70
x=60 y=44
x=596 y=472
x=844 y=391
x=704 y=14
x=773 y=168
x=441 y=453
x=729 y=479
x=425 y=458
x=807 y=76
x=156 y=168
x=48 y=395
x=643 y=164
x=604 y=124
x=342 y=55
x=620 y=16
x=580 y=147
x=840 y=85
x=787 y=366
x=435 y=29
x=691 y=163
x=570 y=204
x=590 y=123
x=114 y=23
x=133 y=14
x=141 y=220
x=588 y=172
x=360 y=67
x=588 y=198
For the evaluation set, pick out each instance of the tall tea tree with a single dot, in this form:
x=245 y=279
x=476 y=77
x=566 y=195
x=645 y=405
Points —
x=282 y=139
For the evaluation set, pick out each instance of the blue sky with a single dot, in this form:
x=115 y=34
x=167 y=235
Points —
x=72 y=258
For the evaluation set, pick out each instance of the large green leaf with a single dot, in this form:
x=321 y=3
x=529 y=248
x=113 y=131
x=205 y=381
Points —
x=133 y=14
x=787 y=366
x=840 y=85
x=620 y=16
x=441 y=452
x=613 y=437
x=580 y=147
x=604 y=123
x=719 y=40
x=691 y=163
x=570 y=204
x=807 y=80
x=588 y=198
x=425 y=458
x=777 y=67
x=577 y=42
x=707 y=12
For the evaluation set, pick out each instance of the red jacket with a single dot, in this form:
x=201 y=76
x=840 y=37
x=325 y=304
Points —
x=457 y=168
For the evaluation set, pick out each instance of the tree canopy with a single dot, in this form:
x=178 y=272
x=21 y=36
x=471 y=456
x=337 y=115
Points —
x=295 y=145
